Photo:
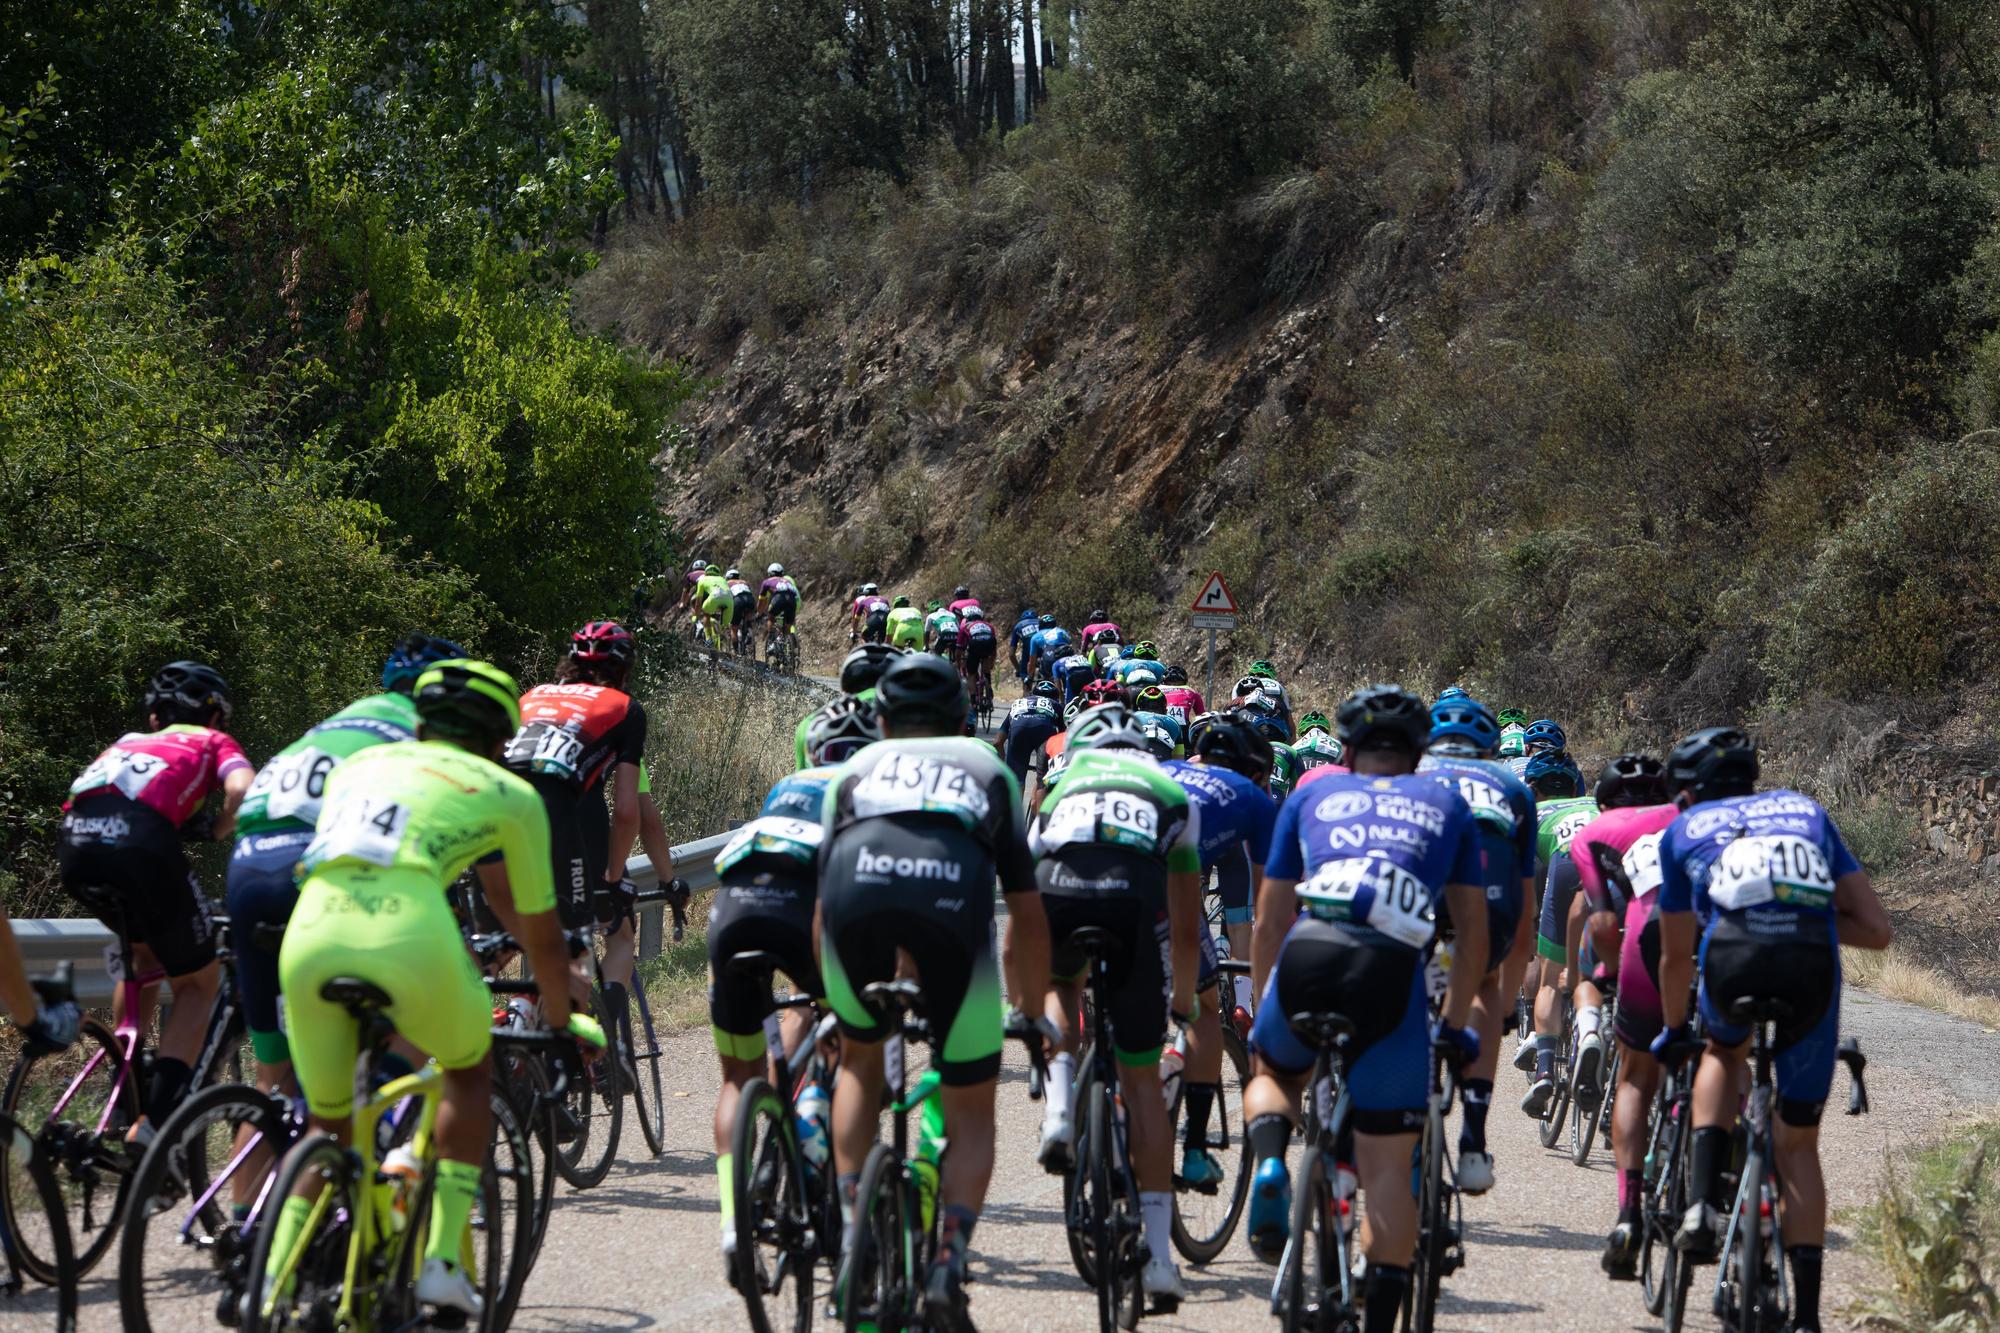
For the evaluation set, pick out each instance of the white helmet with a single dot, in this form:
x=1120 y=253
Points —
x=974 y=613
x=734 y=574
x=775 y=570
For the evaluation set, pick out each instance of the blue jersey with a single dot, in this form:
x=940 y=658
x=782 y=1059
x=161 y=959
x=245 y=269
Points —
x=1773 y=851
x=1502 y=806
x=1236 y=815
x=1375 y=853
x=800 y=795
x=1049 y=644
x=1072 y=673
x=1024 y=629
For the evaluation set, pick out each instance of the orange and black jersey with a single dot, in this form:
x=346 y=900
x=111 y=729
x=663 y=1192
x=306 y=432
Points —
x=575 y=733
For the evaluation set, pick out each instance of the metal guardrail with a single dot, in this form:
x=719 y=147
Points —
x=85 y=943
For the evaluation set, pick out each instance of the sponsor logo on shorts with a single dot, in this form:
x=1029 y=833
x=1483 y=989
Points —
x=880 y=867
x=96 y=828
x=1065 y=878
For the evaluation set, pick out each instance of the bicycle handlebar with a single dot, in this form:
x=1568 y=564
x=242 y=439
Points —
x=57 y=989
x=1857 y=1092
x=1020 y=1028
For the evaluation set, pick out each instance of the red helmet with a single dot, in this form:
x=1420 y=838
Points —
x=602 y=641
x=1102 y=692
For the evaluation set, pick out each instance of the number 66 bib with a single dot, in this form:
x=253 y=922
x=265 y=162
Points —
x=1372 y=891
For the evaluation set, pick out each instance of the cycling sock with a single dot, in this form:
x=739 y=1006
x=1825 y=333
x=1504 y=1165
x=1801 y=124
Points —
x=1060 y=1089
x=165 y=1089
x=955 y=1223
x=453 y=1194
x=1384 y=1303
x=1545 y=1058
x=725 y=1167
x=617 y=1002
x=1476 y=1096
x=1269 y=1134
x=1631 y=1188
x=1806 y=1260
x=1200 y=1103
x=1243 y=994
x=291 y=1221
x=1588 y=1021
x=848 y=1182
x=1705 y=1157
x=1156 y=1211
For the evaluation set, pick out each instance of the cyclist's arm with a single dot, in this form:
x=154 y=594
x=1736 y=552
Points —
x=1677 y=932
x=624 y=818
x=1858 y=916
x=653 y=837
x=1277 y=907
x=1469 y=948
x=234 y=788
x=1184 y=911
x=1024 y=953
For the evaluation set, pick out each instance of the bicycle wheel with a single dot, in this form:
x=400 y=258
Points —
x=642 y=1053
x=773 y=1237
x=1420 y=1309
x=1206 y=1217
x=1551 y=1129
x=1079 y=1200
x=309 y=1289
x=1656 y=1208
x=1584 y=1128
x=879 y=1286
x=183 y=1253
x=37 y=1174
x=1313 y=1261
x=1112 y=1244
x=93 y=1169
x=596 y=1108
x=524 y=1079
x=505 y=1219
x=1677 y=1277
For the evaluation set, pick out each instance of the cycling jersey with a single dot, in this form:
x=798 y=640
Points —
x=1557 y=822
x=1136 y=672
x=709 y=587
x=746 y=598
x=942 y=626
x=916 y=833
x=779 y=586
x=170 y=771
x=1284 y=770
x=1234 y=820
x=1091 y=631
x=1055 y=757
x=1165 y=727
x=964 y=604
x=1314 y=750
x=1029 y=724
x=978 y=638
x=1048 y=645
x=572 y=734
x=1024 y=629
x=1072 y=673
x=1184 y=703
x=1634 y=833
x=398 y=824
x=906 y=627
x=287 y=791
x=1503 y=810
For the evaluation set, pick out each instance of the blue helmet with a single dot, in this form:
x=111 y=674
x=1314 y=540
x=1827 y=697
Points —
x=1464 y=719
x=1545 y=735
x=1547 y=764
x=411 y=655
x=1451 y=692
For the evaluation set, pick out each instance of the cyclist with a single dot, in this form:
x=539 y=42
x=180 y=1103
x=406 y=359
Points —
x=1463 y=734
x=688 y=601
x=767 y=892
x=906 y=626
x=858 y=674
x=582 y=737
x=1513 y=748
x=1100 y=630
x=121 y=835
x=1026 y=626
x=1561 y=810
x=962 y=601
x=917 y=828
x=1259 y=712
x=1150 y=715
x=1104 y=651
x=979 y=644
x=1766 y=881
x=1632 y=795
x=1050 y=644
x=745 y=598
x=1317 y=746
x=1545 y=736
x=1183 y=701
x=778 y=598
x=941 y=632
x=398 y=823
x=1375 y=849
x=1117 y=847
x=716 y=604
x=1140 y=665
x=1227 y=766
x=276 y=822
x=870 y=615
x=1073 y=674
x=1029 y=724
x=1264 y=691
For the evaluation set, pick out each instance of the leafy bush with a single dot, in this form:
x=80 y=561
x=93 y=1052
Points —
x=1933 y=1232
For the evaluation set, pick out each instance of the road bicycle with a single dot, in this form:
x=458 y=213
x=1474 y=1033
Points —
x=1440 y=1213
x=1314 y=1289
x=1591 y=1106
x=1665 y=1274
x=781 y=648
x=32 y=1177
x=1551 y=1128
x=1206 y=1215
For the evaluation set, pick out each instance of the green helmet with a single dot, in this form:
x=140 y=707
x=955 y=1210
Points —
x=1312 y=722
x=1512 y=717
x=463 y=697
x=1262 y=668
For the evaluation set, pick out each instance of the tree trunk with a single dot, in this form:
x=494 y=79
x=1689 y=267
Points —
x=1031 y=73
x=1000 y=65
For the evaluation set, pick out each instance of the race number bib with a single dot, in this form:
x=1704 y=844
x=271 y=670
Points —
x=292 y=785
x=1782 y=868
x=920 y=784
x=126 y=771
x=1103 y=816
x=541 y=747
x=1570 y=825
x=1372 y=891
x=1642 y=864
x=1488 y=802
x=796 y=838
x=361 y=828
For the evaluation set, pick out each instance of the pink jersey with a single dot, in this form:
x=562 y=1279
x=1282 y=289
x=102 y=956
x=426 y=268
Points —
x=1183 y=702
x=958 y=608
x=1090 y=632
x=1313 y=774
x=1617 y=829
x=172 y=771
x=863 y=605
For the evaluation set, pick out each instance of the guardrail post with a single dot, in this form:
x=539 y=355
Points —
x=650 y=931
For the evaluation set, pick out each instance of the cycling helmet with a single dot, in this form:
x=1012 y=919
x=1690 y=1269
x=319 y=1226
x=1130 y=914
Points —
x=1262 y=668
x=974 y=613
x=1464 y=720
x=410 y=656
x=1094 y=722
x=1315 y=721
x=734 y=574
x=1046 y=689
x=1225 y=739
x=468 y=700
x=1146 y=651
x=1712 y=764
x=1150 y=699
x=865 y=665
x=1632 y=779
x=933 y=605
x=1047 y=622
x=1254 y=685
x=1450 y=692
x=774 y=570
x=602 y=641
x=1545 y=735
x=699 y=566
x=1104 y=636
x=1553 y=767
x=921 y=688
x=188 y=692
x=870 y=589
x=900 y=602
x=1027 y=613
x=1382 y=717
x=961 y=591
x=1099 y=616
x=1174 y=676
x=1074 y=709
x=839 y=729
x=1512 y=717
x=1104 y=692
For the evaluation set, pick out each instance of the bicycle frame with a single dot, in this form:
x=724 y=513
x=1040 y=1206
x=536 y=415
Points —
x=1747 y=1210
x=1329 y=1072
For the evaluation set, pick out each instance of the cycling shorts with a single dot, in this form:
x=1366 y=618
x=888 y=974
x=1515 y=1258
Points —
x=721 y=604
x=1232 y=885
x=1558 y=892
x=401 y=936
x=907 y=634
x=1024 y=741
x=775 y=917
x=261 y=892
x=1503 y=920
x=116 y=853
x=784 y=608
x=1138 y=960
x=610 y=905
x=929 y=892
x=979 y=652
x=579 y=839
x=1797 y=961
x=1639 y=1017
x=1379 y=986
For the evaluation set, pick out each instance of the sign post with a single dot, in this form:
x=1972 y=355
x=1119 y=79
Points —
x=1214 y=609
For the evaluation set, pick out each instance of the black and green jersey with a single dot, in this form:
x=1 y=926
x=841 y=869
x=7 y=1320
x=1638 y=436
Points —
x=1114 y=823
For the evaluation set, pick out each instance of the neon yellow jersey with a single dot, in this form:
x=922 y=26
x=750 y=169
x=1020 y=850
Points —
x=906 y=627
x=419 y=812
x=709 y=585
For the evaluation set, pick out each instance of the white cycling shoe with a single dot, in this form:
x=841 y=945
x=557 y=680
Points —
x=1056 y=1153
x=1524 y=1054
x=1475 y=1171
x=1162 y=1282
x=446 y=1287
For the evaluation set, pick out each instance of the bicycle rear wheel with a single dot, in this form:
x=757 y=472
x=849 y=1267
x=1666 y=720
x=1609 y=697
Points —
x=503 y=1227
x=182 y=1256
x=37 y=1174
x=773 y=1236
x=1316 y=1257
x=649 y=1096
x=93 y=1170
x=1657 y=1215
x=1551 y=1129
x=880 y=1284
x=525 y=1079
x=596 y=1108
x=1114 y=1238
x=310 y=1278
x=1433 y=1230
x=1079 y=1200
x=1205 y=1219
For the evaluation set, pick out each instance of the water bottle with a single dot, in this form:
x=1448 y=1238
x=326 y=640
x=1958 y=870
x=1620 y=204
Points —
x=1172 y=1062
x=401 y=1171
x=813 y=1109
x=929 y=1149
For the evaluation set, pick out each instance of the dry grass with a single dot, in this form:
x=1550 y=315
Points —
x=1896 y=975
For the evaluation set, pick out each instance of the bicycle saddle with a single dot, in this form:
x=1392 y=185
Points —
x=355 y=995
x=751 y=963
x=887 y=996
x=1760 y=1009
x=1092 y=939
x=1323 y=1029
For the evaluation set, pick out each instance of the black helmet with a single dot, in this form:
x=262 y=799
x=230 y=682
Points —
x=188 y=692
x=921 y=688
x=1383 y=716
x=1099 y=617
x=1047 y=621
x=839 y=729
x=1632 y=779
x=1711 y=764
x=1226 y=740
x=468 y=700
x=961 y=591
x=1174 y=675
x=865 y=665
x=1046 y=689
